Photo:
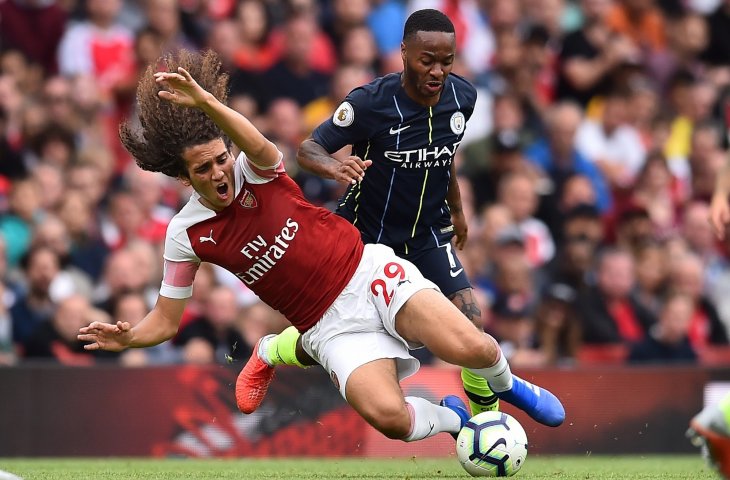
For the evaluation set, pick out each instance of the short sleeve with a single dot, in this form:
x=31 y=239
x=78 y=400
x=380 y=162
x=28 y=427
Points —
x=350 y=124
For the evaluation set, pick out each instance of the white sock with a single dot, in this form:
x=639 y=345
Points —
x=263 y=351
x=499 y=376
x=428 y=419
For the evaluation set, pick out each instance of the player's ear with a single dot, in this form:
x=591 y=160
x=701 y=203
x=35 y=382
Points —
x=184 y=180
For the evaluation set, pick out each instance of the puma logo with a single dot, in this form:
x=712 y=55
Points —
x=209 y=238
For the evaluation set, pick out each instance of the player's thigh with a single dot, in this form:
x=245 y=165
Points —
x=374 y=392
x=431 y=319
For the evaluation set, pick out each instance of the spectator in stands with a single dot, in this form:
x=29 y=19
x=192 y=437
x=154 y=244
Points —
x=558 y=158
x=582 y=233
x=345 y=15
x=697 y=231
x=88 y=251
x=659 y=192
x=53 y=234
x=651 y=276
x=295 y=76
x=609 y=312
x=517 y=192
x=513 y=326
x=35 y=28
x=121 y=275
x=640 y=21
x=558 y=325
x=668 y=341
x=718 y=49
x=346 y=78
x=687 y=37
x=17 y=226
x=56 y=97
x=686 y=277
x=56 y=339
x=163 y=16
x=633 y=228
x=611 y=142
x=34 y=305
x=706 y=160
x=218 y=328
x=225 y=39
x=591 y=55
x=504 y=159
x=577 y=192
x=358 y=49
x=49 y=179
x=99 y=52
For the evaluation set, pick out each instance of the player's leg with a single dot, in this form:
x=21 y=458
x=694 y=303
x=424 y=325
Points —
x=480 y=396
x=710 y=429
x=408 y=419
x=429 y=318
x=442 y=266
x=256 y=376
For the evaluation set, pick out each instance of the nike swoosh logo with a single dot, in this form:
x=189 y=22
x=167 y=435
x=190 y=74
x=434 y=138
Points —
x=393 y=131
x=454 y=274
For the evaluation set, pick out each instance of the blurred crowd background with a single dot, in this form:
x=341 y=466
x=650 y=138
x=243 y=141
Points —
x=585 y=172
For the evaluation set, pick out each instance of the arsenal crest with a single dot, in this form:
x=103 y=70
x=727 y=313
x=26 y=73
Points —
x=248 y=200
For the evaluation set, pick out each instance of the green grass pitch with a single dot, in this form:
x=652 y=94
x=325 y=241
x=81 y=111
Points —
x=536 y=467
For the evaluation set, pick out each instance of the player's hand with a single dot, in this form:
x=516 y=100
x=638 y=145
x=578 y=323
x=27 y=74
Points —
x=460 y=229
x=351 y=170
x=106 y=336
x=180 y=88
x=719 y=214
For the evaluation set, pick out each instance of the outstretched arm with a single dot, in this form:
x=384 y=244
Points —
x=185 y=91
x=157 y=326
x=313 y=158
x=720 y=208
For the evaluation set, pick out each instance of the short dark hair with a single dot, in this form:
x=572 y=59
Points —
x=427 y=20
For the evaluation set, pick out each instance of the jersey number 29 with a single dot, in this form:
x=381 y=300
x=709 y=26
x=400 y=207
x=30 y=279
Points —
x=391 y=270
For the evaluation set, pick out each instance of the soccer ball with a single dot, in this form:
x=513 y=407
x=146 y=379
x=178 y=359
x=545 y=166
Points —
x=492 y=444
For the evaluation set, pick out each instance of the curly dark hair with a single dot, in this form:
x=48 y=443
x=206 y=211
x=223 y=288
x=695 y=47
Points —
x=168 y=129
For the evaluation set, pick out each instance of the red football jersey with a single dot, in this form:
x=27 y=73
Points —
x=296 y=257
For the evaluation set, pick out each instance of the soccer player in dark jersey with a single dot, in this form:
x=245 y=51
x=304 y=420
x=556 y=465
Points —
x=359 y=308
x=405 y=129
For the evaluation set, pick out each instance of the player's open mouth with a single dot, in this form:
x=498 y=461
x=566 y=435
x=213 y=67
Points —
x=433 y=86
x=222 y=191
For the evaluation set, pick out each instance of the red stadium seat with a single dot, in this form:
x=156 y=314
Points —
x=610 y=354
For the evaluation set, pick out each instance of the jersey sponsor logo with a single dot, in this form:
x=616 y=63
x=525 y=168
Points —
x=209 y=238
x=457 y=123
x=344 y=115
x=394 y=131
x=267 y=254
x=423 y=157
x=248 y=200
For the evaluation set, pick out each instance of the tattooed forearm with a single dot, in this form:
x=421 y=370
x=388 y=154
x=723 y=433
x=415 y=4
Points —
x=464 y=301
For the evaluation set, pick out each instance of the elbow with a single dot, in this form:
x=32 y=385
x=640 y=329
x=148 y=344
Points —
x=303 y=154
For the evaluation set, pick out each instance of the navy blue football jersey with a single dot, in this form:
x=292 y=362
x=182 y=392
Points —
x=401 y=201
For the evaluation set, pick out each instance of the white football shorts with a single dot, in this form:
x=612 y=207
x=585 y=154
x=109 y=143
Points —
x=359 y=326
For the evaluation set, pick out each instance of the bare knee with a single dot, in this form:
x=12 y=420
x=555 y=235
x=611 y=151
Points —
x=476 y=351
x=391 y=419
